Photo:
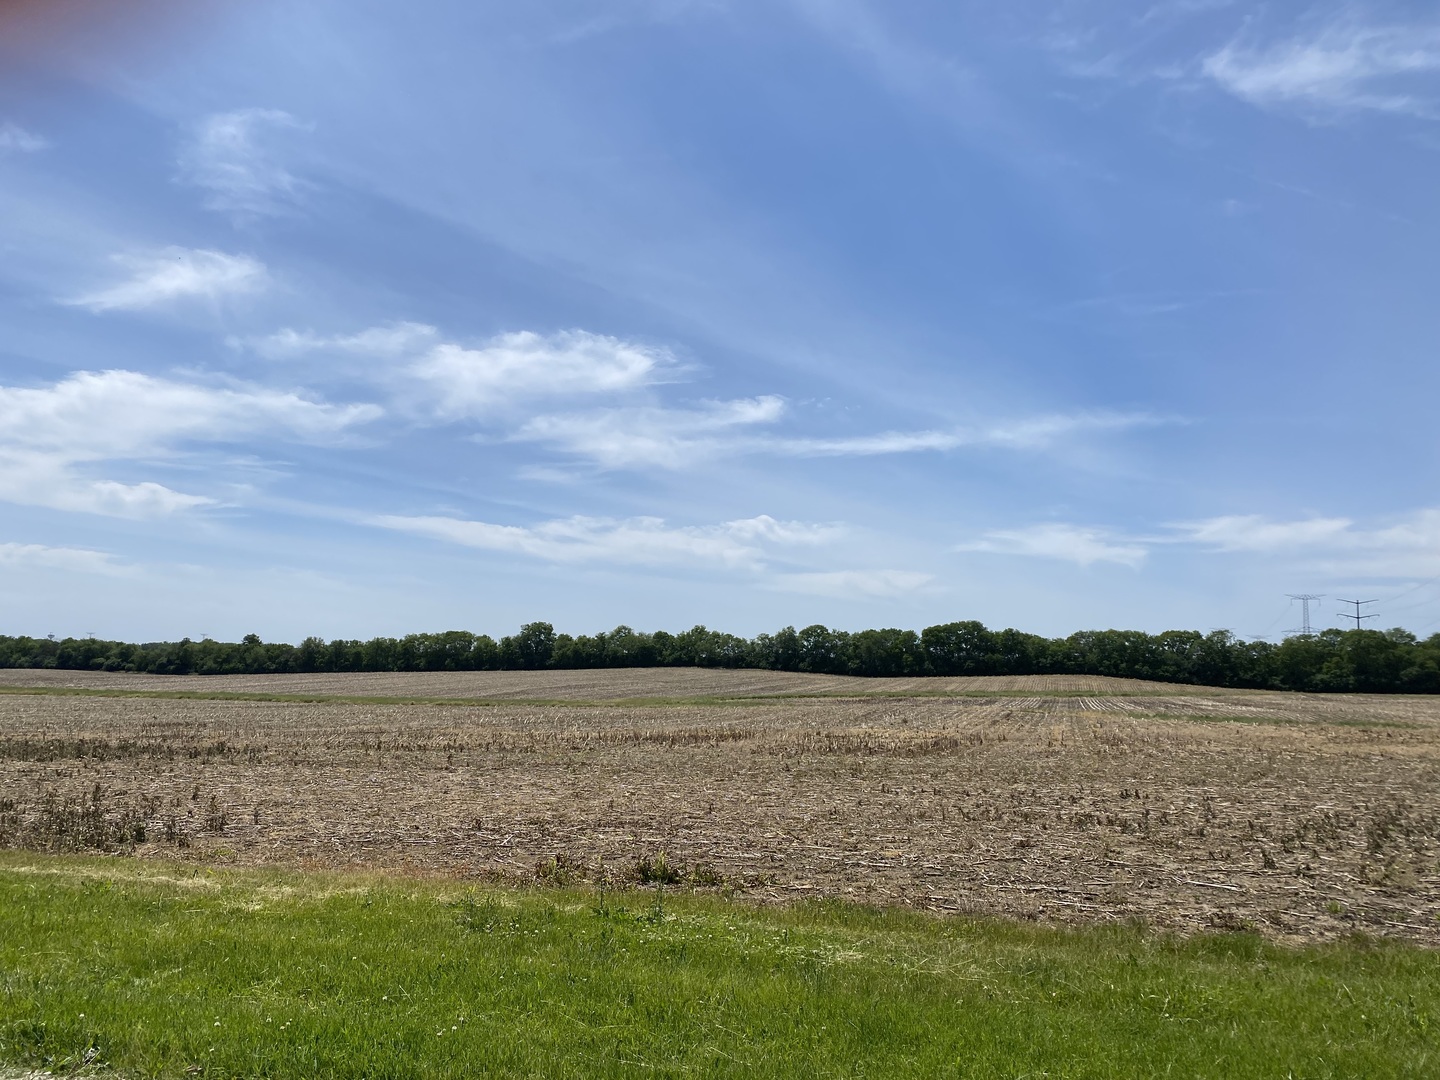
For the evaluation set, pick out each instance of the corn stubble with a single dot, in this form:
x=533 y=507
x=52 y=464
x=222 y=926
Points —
x=1299 y=817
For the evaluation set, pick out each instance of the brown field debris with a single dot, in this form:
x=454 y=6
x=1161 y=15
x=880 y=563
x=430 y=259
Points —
x=1075 y=800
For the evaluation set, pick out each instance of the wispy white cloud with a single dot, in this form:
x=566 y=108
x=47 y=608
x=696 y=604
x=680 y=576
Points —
x=885 y=442
x=15 y=139
x=1343 y=67
x=52 y=481
x=855 y=584
x=1144 y=305
x=495 y=382
x=904 y=67
x=233 y=158
x=49 y=434
x=1080 y=544
x=1405 y=546
x=400 y=339
x=126 y=413
x=84 y=560
x=652 y=436
x=1409 y=545
x=1251 y=532
x=939 y=78
x=1114 y=43
x=658 y=437
x=173 y=274
x=1034 y=433
x=643 y=541
x=455 y=381
x=471 y=382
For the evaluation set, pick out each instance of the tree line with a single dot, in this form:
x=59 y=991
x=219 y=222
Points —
x=1366 y=661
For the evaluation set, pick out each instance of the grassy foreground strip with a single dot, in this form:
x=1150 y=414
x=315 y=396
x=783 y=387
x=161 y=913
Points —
x=163 y=970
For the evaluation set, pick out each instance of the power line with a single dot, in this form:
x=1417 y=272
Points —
x=1265 y=634
x=1413 y=588
x=1305 y=599
x=1430 y=602
x=1357 y=616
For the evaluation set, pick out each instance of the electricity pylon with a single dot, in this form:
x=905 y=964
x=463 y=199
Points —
x=1304 y=598
x=1357 y=616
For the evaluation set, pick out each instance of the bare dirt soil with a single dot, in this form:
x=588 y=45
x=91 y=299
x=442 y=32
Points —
x=1076 y=800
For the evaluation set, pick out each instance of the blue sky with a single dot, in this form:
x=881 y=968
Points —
x=350 y=318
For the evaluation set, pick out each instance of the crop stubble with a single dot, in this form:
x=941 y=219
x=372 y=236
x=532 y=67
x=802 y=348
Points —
x=1068 y=800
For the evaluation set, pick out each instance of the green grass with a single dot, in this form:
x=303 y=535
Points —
x=164 y=970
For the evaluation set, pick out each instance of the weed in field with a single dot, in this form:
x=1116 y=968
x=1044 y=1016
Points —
x=478 y=914
x=485 y=915
x=75 y=822
x=1387 y=823
x=657 y=871
x=706 y=876
x=560 y=870
x=215 y=816
x=175 y=833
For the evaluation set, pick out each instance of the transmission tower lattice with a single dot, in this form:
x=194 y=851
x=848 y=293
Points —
x=1305 y=599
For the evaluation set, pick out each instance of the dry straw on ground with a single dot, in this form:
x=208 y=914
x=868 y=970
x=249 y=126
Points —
x=1068 y=799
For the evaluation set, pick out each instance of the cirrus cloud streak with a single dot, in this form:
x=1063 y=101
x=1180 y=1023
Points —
x=1345 y=67
x=231 y=157
x=672 y=438
x=175 y=274
x=1084 y=545
x=1407 y=546
x=83 y=560
x=643 y=541
x=49 y=435
x=855 y=584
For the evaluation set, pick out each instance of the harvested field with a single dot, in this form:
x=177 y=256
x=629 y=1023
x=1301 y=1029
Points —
x=605 y=685
x=1074 y=800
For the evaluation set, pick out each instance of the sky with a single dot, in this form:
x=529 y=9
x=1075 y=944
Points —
x=351 y=318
